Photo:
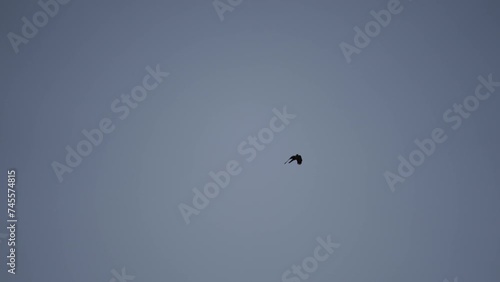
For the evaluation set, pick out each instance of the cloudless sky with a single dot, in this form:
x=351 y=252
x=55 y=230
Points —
x=120 y=207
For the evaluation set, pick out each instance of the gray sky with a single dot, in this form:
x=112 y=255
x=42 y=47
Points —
x=119 y=206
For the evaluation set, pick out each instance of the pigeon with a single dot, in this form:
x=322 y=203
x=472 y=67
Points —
x=297 y=158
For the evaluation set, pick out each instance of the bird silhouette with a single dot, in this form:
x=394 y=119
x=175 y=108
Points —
x=297 y=158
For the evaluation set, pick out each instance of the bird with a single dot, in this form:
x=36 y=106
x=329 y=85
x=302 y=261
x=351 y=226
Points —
x=297 y=158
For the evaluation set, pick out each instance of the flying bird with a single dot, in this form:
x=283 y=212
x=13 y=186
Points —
x=297 y=158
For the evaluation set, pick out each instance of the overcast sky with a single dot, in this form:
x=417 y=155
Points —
x=239 y=87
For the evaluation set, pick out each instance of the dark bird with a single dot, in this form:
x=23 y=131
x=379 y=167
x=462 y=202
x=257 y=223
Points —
x=297 y=158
